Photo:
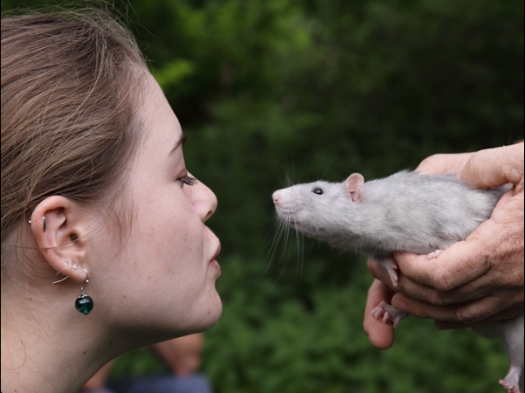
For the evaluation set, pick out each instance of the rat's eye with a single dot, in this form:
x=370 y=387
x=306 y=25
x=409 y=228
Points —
x=317 y=191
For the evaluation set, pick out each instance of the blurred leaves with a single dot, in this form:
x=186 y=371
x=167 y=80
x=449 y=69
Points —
x=173 y=73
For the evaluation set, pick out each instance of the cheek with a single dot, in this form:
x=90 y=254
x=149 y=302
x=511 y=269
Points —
x=175 y=236
x=164 y=227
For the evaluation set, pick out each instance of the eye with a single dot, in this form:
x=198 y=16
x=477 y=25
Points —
x=317 y=191
x=188 y=180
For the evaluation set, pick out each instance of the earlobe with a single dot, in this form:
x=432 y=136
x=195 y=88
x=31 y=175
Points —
x=57 y=224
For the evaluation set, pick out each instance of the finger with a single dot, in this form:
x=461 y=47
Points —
x=471 y=291
x=467 y=313
x=458 y=265
x=443 y=163
x=444 y=325
x=380 y=334
x=494 y=167
x=508 y=313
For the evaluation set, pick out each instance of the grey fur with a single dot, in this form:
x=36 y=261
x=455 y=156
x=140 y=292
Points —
x=406 y=211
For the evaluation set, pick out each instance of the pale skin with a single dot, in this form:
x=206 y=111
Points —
x=476 y=280
x=158 y=284
x=182 y=355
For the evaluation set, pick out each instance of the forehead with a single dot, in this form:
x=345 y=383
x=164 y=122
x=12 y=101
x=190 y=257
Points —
x=157 y=117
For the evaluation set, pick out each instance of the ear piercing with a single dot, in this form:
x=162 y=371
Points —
x=84 y=303
x=44 y=225
x=62 y=279
x=65 y=277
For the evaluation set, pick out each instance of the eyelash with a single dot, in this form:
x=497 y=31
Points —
x=188 y=180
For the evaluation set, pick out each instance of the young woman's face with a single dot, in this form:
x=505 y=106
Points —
x=164 y=277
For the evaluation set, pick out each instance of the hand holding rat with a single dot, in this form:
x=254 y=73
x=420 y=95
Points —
x=479 y=279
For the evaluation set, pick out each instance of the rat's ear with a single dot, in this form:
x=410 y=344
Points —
x=59 y=226
x=353 y=186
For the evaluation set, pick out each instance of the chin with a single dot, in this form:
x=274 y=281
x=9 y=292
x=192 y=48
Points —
x=214 y=313
x=208 y=316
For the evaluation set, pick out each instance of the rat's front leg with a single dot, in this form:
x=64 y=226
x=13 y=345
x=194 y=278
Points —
x=390 y=265
x=384 y=311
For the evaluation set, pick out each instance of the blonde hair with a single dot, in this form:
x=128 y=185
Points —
x=71 y=83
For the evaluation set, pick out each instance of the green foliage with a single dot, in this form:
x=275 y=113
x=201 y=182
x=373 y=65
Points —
x=270 y=340
x=173 y=73
x=279 y=91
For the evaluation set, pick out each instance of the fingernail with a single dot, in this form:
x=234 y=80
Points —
x=398 y=305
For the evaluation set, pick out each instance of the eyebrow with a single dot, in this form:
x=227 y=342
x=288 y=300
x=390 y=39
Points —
x=179 y=143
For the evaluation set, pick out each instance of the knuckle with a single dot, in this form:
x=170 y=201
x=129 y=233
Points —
x=442 y=280
x=467 y=316
x=437 y=298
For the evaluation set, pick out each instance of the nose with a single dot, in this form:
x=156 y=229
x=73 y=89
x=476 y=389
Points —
x=276 y=198
x=203 y=200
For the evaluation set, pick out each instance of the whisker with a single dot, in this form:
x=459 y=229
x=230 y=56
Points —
x=275 y=243
x=299 y=252
x=330 y=164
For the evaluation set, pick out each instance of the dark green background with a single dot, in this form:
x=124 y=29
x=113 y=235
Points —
x=278 y=91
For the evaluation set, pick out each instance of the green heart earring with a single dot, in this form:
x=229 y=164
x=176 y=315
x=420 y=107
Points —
x=84 y=303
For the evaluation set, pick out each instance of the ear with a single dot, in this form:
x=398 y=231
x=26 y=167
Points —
x=353 y=185
x=59 y=226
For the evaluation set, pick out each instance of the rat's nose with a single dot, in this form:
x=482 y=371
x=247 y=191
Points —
x=276 y=198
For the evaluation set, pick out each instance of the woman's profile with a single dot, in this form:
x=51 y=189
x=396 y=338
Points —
x=104 y=242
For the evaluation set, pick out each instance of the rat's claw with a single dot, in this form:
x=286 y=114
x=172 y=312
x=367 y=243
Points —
x=388 y=314
x=386 y=317
x=390 y=265
x=379 y=311
x=434 y=254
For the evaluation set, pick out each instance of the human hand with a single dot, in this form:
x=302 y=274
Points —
x=380 y=334
x=479 y=279
x=98 y=381
x=183 y=354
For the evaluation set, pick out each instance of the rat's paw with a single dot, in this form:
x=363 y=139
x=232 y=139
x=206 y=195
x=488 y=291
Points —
x=511 y=388
x=379 y=311
x=388 y=314
x=434 y=254
x=390 y=265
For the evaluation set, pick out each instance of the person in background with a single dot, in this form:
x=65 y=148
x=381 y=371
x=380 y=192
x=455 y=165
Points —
x=182 y=356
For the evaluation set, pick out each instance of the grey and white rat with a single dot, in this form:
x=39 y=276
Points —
x=406 y=211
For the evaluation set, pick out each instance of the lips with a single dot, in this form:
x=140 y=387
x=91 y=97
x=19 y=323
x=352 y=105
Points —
x=216 y=253
x=214 y=264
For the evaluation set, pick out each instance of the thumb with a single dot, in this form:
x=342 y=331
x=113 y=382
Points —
x=457 y=265
x=494 y=167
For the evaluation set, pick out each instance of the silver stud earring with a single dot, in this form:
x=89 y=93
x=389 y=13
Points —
x=44 y=225
x=84 y=303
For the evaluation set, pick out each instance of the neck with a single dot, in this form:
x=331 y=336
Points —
x=47 y=345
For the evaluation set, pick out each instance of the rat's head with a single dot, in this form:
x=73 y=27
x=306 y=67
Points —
x=315 y=208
